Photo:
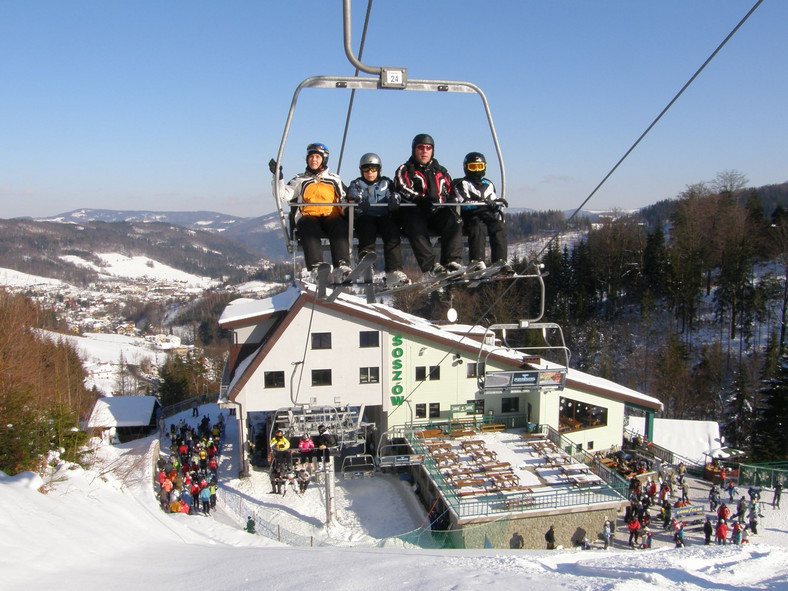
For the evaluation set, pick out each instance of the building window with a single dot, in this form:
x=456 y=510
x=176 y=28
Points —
x=590 y=445
x=479 y=406
x=510 y=404
x=321 y=340
x=274 y=379
x=574 y=415
x=369 y=338
x=435 y=410
x=421 y=411
x=321 y=377
x=369 y=375
x=421 y=373
x=474 y=370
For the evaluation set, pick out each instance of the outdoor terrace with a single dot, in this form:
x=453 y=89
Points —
x=482 y=473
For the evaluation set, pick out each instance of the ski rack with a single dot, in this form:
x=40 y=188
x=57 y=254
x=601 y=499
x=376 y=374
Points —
x=385 y=79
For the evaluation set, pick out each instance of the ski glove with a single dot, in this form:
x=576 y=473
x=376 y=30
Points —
x=393 y=204
x=272 y=167
x=364 y=205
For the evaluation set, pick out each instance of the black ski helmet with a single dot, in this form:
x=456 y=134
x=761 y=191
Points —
x=321 y=149
x=370 y=160
x=422 y=138
x=474 y=158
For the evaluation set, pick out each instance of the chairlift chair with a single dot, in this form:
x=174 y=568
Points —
x=383 y=78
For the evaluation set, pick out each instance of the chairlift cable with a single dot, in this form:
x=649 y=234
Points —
x=353 y=91
x=558 y=232
x=648 y=129
x=302 y=363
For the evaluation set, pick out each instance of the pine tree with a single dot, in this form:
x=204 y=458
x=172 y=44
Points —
x=770 y=442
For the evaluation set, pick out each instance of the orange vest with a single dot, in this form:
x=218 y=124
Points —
x=320 y=193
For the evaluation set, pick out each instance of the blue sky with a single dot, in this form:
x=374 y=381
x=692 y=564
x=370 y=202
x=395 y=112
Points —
x=178 y=105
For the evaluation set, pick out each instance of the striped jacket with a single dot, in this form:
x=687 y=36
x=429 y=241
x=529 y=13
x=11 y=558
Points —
x=298 y=190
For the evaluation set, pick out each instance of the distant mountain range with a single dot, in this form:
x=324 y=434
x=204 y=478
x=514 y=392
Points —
x=262 y=235
x=49 y=248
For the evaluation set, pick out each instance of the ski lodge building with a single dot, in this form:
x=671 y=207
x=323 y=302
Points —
x=382 y=370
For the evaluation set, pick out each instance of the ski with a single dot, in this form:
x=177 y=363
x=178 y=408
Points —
x=369 y=286
x=360 y=270
x=444 y=280
x=491 y=271
x=431 y=284
x=413 y=285
x=323 y=273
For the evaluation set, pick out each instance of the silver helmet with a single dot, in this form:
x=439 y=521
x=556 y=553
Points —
x=370 y=160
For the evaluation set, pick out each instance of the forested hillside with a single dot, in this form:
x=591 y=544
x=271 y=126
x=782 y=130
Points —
x=42 y=392
x=685 y=301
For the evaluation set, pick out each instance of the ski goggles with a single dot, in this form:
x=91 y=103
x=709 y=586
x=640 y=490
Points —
x=368 y=167
x=476 y=166
x=424 y=147
x=317 y=148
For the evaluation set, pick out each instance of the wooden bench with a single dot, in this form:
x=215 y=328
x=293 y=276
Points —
x=493 y=428
x=454 y=474
x=495 y=466
x=475 y=491
x=429 y=434
x=470 y=482
x=446 y=460
x=462 y=433
x=484 y=455
x=436 y=446
x=528 y=436
x=472 y=444
x=506 y=479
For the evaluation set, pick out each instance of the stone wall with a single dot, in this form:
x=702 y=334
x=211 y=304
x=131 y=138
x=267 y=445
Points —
x=571 y=526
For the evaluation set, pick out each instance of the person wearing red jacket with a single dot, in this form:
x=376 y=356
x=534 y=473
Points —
x=634 y=531
x=424 y=182
x=723 y=513
x=722 y=532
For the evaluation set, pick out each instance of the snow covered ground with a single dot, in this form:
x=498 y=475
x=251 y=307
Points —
x=119 y=265
x=101 y=354
x=102 y=526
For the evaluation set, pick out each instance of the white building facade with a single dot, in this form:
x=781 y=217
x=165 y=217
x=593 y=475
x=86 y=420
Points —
x=293 y=349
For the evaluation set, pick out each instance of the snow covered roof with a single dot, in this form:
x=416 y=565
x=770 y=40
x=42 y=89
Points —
x=248 y=309
x=122 y=411
x=583 y=381
x=724 y=453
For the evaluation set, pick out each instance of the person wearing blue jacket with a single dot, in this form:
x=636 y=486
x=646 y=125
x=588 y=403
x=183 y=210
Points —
x=377 y=202
x=205 y=500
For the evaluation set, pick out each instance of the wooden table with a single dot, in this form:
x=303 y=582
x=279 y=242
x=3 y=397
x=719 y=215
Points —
x=570 y=469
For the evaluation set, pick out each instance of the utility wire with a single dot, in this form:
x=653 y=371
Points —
x=566 y=223
x=648 y=129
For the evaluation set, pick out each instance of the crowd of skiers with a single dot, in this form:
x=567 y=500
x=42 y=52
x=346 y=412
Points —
x=186 y=481
x=669 y=491
x=423 y=184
